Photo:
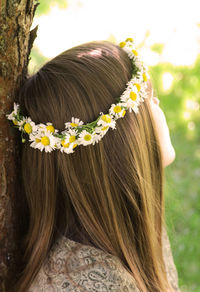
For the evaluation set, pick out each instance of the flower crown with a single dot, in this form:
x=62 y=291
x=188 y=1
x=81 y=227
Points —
x=46 y=137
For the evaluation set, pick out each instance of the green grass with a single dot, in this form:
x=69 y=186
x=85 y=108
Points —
x=182 y=186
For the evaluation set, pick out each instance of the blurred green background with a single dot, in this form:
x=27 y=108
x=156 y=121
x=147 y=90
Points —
x=178 y=88
x=182 y=187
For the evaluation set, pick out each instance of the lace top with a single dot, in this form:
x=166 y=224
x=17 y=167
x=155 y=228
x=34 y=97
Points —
x=72 y=266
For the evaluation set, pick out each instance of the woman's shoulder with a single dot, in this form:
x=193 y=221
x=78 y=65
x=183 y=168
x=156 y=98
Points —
x=72 y=266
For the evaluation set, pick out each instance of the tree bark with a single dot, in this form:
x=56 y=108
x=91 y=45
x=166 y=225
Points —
x=16 y=41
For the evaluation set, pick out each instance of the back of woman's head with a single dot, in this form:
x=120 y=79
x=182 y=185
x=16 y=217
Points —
x=108 y=195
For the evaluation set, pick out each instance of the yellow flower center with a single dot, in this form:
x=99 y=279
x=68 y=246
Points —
x=106 y=118
x=66 y=145
x=37 y=140
x=74 y=146
x=15 y=122
x=27 y=128
x=123 y=114
x=72 y=139
x=145 y=77
x=50 y=128
x=74 y=124
x=87 y=137
x=122 y=44
x=129 y=40
x=117 y=109
x=138 y=86
x=45 y=141
x=133 y=95
x=135 y=52
x=104 y=128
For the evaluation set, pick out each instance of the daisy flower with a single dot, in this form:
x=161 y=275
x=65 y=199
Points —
x=131 y=95
x=132 y=106
x=106 y=120
x=72 y=132
x=50 y=128
x=67 y=147
x=129 y=87
x=42 y=128
x=132 y=52
x=137 y=85
x=138 y=64
x=16 y=108
x=13 y=114
x=28 y=126
x=97 y=136
x=86 y=138
x=126 y=48
x=117 y=110
x=57 y=144
x=100 y=132
x=19 y=124
x=146 y=77
x=70 y=141
x=71 y=135
x=74 y=123
x=43 y=141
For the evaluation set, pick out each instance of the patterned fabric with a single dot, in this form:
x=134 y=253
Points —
x=170 y=267
x=72 y=266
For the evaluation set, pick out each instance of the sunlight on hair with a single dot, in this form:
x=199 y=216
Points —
x=95 y=53
x=167 y=81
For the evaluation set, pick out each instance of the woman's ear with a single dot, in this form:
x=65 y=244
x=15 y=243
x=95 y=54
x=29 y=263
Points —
x=156 y=100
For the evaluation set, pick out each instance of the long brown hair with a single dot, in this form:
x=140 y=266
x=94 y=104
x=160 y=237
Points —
x=108 y=195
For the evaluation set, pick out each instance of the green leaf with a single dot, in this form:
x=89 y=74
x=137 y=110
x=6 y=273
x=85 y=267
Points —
x=158 y=48
x=45 y=6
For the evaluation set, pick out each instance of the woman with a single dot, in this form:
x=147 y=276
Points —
x=93 y=217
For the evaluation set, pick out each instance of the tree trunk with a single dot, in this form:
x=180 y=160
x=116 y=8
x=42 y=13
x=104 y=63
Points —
x=16 y=41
